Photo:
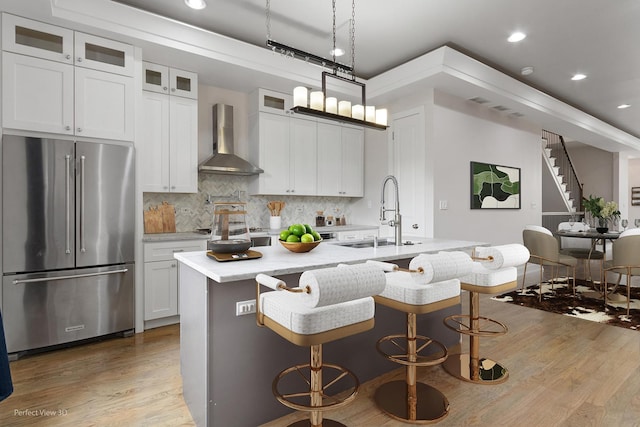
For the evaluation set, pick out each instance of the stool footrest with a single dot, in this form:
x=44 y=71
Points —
x=488 y=371
x=325 y=423
x=296 y=399
x=430 y=405
x=401 y=343
x=463 y=324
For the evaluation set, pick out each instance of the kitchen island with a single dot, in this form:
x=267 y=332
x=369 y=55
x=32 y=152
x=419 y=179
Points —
x=228 y=363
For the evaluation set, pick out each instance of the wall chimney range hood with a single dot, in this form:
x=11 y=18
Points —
x=224 y=161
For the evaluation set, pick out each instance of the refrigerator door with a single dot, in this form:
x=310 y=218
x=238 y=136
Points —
x=38 y=212
x=45 y=309
x=104 y=204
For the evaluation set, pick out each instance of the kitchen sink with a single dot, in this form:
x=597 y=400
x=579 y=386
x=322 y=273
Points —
x=370 y=243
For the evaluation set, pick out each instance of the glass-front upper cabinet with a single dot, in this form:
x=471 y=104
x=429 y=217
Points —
x=103 y=54
x=33 y=38
x=171 y=81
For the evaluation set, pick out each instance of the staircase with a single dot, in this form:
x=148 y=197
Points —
x=557 y=160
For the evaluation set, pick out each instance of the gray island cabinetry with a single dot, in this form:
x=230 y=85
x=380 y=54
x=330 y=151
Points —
x=228 y=363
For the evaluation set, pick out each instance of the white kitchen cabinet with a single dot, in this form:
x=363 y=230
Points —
x=104 y=104
x=103 y=54
x=284 y=146
x=340 y=160
x=38 y=39
x=269 y=101
x=33 y=38
x=161 y=278
x=48 y=96
x=43 y=91
x=169 y=144
x=37 y=94
x=167 y=80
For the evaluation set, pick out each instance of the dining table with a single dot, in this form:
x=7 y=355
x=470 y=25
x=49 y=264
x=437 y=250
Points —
x=595 y=237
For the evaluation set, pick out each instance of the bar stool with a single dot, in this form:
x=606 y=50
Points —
x=494 y=273
x=329 y=304
x=431 y=284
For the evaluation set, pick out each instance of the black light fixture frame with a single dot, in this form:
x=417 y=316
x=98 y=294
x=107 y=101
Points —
x=332 y=116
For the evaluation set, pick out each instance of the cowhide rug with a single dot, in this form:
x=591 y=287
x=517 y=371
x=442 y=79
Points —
x=583 y=305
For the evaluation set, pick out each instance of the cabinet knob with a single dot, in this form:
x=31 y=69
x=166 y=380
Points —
x=79 y=59
x=67 y=128
x=173 y=187
x=414 y=226
x=173 y=266
x=164 y=88
x=79 y=130
x=165 y=188
x=173 y=89
x=67 y=56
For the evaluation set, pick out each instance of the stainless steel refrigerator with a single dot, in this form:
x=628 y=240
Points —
x=67 y=240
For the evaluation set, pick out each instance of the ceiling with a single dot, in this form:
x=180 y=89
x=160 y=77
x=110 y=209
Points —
x=224 y=44
x=594 y=37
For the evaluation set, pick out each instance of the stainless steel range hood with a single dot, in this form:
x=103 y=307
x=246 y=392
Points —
x=224 y=161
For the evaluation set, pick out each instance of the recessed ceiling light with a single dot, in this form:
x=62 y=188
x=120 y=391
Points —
x=623 y=106
x=339 y=52
x=516 y=37
x=526 y=71
x=196 y=4
x=578 y=76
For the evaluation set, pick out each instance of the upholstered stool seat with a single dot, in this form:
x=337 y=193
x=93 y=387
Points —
x=328 y=304
x=494 y=274
x=431 y=284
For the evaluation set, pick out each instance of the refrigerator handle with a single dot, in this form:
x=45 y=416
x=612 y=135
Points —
x=74 y=276
x=82 y=245
x=67 y=180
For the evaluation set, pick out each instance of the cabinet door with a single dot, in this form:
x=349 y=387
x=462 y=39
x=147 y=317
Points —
x=274 y=102
x=103 y=54
x=33 y=38
x=160 y=289
x=155 y=78
x=303 y=152
x=329 y=159
x=352 y=162
x=37 y=94
x=183 y=83
x=104 y=105
x=153 y=145
x=274 y=154
x=183 y=145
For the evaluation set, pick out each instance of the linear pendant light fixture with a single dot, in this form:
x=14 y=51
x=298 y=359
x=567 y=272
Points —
x=316 y=103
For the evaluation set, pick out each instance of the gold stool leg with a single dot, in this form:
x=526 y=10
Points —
x=410 y=400
x=469 y=366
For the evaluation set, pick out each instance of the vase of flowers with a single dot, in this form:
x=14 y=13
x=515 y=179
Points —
x=603 y=212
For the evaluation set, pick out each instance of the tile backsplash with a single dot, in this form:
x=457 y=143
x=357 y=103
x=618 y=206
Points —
x=196 y=210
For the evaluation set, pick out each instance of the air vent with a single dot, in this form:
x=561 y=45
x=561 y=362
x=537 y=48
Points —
x=500 y=108
x=479 y=100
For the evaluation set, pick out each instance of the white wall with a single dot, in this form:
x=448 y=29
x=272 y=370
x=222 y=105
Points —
x=456 y=133
x=465 y=132
x=594 y=168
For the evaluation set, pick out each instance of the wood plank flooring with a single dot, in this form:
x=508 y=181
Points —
x=563 y=372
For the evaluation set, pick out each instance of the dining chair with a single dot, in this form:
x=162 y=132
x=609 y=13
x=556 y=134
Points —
x=625 y=261
x=580 y=248
x=544 y=250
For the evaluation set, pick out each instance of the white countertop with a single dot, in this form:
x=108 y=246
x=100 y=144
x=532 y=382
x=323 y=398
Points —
x=276 y=260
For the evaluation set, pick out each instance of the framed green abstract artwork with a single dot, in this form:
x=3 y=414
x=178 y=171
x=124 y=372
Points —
x=494 y=186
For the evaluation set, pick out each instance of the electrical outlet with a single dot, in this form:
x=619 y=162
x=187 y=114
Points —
x=443 y=205
x=245 y=307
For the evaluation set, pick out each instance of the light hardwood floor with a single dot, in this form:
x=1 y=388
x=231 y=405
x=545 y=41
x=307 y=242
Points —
x=563 y=372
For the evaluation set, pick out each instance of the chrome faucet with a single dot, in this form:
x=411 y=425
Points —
x=396 y=222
